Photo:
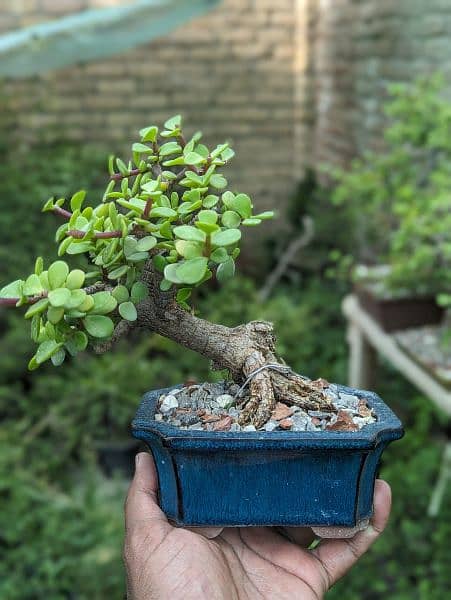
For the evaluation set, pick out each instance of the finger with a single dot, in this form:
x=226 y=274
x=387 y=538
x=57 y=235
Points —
x=142 y=503
x=207 y=532
x=338 y=556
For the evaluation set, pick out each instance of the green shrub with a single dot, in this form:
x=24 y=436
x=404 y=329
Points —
x=399 y=199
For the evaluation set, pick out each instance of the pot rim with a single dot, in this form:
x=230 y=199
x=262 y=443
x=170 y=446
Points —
x=386 y=428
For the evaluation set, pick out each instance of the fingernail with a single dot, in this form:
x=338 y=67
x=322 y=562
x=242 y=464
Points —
x=137 y=457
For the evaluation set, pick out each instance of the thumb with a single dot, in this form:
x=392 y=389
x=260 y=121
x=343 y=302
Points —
x=141 y=506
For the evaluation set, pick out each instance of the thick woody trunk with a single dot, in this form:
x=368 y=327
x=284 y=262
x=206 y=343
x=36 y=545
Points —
x=242 y=350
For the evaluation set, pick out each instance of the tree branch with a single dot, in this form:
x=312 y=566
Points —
x=287 y=257
x=100 y=235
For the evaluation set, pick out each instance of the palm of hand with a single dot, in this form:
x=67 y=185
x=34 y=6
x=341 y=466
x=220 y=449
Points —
x=168 y=563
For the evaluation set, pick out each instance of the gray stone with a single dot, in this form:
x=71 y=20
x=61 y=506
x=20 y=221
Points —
x=188 y=418
x=348 y=401
x=196 y=426
x=233 y=412
x=235 y=427
x=271 y=425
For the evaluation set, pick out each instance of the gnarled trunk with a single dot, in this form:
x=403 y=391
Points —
x=242 y=350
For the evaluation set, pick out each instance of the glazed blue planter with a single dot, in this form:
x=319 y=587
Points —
x=321 y=479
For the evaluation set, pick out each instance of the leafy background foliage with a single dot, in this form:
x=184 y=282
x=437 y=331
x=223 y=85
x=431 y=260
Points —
x=398 y=200
x=61 y=517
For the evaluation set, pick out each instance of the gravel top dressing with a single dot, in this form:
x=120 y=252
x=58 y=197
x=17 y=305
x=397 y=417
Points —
x=217 y=407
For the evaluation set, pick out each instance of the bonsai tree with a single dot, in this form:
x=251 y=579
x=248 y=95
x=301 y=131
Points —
x=165 y=225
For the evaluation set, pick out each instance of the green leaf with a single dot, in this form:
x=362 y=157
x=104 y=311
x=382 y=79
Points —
x=146 y=243
x=165 y=285
x=174 y=122
x=149 y=134
x=187 y=232
x=193 y=270
x=77 y=200
x=121 y=294
x=58 y=358
x=130 y=245
x=208 y=216
x=231 y=219
x=33 y=365
x=79 y=247
x=192 y=158
x=183 y=294
x=207 y=227
x=32 y=286
x=59 y=297
x=75 y=279
x=13 y=289
x=57 y=274
x=138 y=256
x=242 y=205
x=219 y=255
x=170 y=148
x=141 y=148
x=118 y=272
x=139 y=292
x=39 y=265
x=170 y=273
x=98 y=326
x=46 y=350
x=37 y=308
x=162 y=211
x=251 y=222
x=188 y=249
x=87 y=305
x=127 y=310
x=55 y=315
x=226 y=237
x=210 y=201
x=218 y=181
x=228 y=199
x=77 y=342
x=104 y=303
x=268 y=214
x=159 y=262
x=77 y=298
x=226 y=270
x=49 y=205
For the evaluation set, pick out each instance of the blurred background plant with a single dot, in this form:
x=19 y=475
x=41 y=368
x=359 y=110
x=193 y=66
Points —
x=399 y=199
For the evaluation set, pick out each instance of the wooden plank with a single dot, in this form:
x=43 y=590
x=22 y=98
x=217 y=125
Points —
x=92 y=35
x=386 y=345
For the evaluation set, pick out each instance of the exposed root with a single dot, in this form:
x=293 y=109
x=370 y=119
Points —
x=262 y=401
x=271 y=386
x=292 y=389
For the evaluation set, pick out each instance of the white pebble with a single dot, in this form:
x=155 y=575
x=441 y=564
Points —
x=249 y=428
x=224 y=400
x=235 y=427
x=169 y=403
x=158 y=417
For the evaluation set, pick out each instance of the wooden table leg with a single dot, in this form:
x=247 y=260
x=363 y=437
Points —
x=362 y=359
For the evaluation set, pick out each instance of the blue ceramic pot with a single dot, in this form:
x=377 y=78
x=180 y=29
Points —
x=320 y=479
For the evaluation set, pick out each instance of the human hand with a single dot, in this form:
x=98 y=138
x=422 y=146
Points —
x=170 y=563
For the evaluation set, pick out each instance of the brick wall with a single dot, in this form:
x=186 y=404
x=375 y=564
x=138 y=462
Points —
x=230 y=73
x=356 y=48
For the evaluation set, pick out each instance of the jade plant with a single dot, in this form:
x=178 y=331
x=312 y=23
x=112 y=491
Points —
x=165 y=225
